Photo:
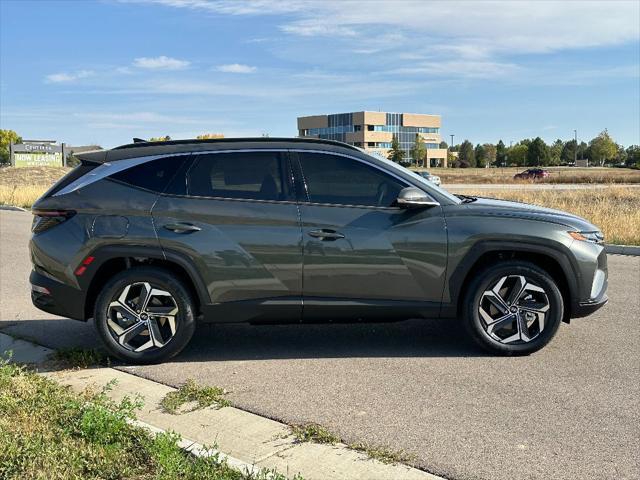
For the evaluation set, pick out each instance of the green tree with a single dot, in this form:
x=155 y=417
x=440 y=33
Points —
x=6 y=138
x=537 y=153
x=633 y=156
x=517 y=155
x=443 y=144
x=602 y=148
x=501 y=153
x=466 y=157
x=396 y=154
x=480 y=156
x=166 y=138
x=419 y=150
x=490 y=153
x=568 y=152
x=555 y=152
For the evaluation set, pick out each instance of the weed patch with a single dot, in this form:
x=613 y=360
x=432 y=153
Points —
x=191 y=393
x=312 y=432
x=382 y=454
x=80 y=358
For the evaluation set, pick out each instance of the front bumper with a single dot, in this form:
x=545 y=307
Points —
x=583 y=309
x=57 y=298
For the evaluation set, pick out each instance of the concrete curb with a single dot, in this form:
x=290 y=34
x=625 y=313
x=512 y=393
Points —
x=249 y=442
x=622 y=249
x=13 y=207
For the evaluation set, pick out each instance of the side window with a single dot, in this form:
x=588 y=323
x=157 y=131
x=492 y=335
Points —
x=344 y=181
x=242 y=175
x=153 y=175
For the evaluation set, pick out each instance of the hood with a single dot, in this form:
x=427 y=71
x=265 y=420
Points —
x=504 y=208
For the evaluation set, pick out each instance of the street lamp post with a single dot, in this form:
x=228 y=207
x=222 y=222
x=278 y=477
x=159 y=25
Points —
x=575 y=148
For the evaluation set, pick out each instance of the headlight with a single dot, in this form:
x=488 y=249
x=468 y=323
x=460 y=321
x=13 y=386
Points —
x=593 y=237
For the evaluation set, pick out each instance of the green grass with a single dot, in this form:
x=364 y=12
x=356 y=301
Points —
x=80 y=358
x=192 y=393
x=49 y=432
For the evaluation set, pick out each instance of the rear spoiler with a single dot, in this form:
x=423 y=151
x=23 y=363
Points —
x=94 y=156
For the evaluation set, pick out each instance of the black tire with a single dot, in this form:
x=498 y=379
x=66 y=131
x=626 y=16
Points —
x=486 y=279
x=158 y=278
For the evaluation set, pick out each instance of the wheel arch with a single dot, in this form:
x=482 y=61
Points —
x=552 y=260
x=114 y=259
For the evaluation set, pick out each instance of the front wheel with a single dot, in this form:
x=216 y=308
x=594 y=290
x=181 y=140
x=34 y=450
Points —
x=144 y=315
x=512 y=308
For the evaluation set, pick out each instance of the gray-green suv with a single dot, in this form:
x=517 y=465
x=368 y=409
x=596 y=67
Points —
x=150 y=238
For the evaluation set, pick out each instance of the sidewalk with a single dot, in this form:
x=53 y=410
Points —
x=248 y=440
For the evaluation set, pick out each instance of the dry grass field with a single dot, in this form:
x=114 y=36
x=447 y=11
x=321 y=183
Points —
x=616 y=209
x=23 y=186
x=557 y=175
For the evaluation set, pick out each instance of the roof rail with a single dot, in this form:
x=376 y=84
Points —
x=143 y=143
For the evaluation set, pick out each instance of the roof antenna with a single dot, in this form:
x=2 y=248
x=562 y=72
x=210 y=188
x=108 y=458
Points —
x=138 y=140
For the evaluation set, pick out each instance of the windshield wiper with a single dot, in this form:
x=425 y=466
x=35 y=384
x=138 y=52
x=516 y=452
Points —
x=466 y=198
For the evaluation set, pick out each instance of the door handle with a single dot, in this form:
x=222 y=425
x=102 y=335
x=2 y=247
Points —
x=326 y=234
x=182 y=227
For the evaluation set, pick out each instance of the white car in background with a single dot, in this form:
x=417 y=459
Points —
x=432 y=178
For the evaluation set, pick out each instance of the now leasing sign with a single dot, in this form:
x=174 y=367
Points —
x=37 y=155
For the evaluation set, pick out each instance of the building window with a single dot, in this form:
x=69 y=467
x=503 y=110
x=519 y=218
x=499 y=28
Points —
x=357 y=128
x=370 y=128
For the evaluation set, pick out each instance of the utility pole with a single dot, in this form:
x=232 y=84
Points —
x=575 y=149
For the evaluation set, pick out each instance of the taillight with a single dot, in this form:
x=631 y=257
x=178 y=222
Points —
x=46 y=219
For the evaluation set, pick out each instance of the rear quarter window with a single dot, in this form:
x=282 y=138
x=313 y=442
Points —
x=153 y=175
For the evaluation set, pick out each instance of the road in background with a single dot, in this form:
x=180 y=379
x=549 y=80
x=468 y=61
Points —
x=455 y=187
x=569 y=411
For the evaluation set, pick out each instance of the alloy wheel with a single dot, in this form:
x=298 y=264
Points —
x=513 y=311
x=142 y=317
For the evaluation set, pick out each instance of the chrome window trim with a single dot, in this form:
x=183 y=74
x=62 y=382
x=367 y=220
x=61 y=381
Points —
x=109 y=168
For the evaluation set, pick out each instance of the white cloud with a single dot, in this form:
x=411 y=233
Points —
x=236 y=68
x=470 y=27
x=160 y=63
x=68 y=77
x=460 y=69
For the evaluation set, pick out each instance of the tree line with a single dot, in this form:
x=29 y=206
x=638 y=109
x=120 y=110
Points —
x=601 y=150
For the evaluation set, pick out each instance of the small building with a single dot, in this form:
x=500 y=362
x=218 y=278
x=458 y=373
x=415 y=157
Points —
x=374 y=131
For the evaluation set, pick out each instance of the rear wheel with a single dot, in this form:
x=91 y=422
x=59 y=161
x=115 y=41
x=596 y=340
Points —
x=513 y=308
x=144 y=315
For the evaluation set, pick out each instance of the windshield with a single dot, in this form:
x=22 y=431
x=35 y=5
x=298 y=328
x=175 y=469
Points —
x=399 y=168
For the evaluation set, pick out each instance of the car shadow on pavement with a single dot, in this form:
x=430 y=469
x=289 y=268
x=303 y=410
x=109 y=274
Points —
x=411 y=338
x=221 y=342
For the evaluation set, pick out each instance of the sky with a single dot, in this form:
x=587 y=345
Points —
x=104 y=71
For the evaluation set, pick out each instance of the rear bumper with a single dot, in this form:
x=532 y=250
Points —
x=57 y=298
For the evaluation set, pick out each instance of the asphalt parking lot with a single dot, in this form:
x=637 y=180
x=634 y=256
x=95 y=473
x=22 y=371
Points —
x=569 y=411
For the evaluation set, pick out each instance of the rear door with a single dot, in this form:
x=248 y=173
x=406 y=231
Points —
x=362 y=252
x=234 y=216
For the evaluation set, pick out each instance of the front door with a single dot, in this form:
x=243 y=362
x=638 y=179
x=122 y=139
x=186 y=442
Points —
x=362 y=253
x=234 y=215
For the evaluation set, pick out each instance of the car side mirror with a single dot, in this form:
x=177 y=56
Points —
x=412 y=197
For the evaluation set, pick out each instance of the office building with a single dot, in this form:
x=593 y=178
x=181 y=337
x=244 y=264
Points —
x=373 y=131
